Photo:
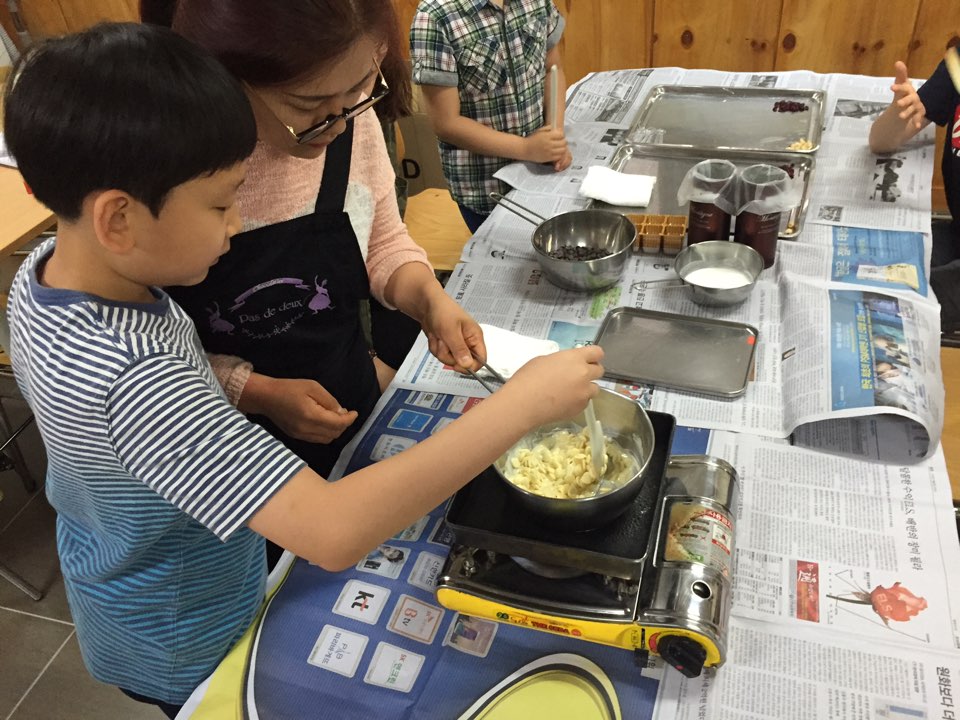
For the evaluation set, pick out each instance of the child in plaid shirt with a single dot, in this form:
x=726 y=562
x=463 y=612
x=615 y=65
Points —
x=483 y=66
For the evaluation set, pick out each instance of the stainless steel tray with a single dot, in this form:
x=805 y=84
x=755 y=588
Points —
x=677 y=351
x=670 y=165
x=733 y=118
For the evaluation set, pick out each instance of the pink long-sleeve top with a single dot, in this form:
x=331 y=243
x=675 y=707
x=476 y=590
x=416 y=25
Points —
x=280 y=187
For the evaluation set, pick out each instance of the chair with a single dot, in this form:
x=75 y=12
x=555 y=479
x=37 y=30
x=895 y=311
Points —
x=435 y=224
x=11 y=458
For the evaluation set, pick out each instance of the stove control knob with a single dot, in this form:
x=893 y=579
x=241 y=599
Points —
x=683 y=653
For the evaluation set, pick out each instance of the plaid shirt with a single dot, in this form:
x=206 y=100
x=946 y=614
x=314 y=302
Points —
x=497 y=60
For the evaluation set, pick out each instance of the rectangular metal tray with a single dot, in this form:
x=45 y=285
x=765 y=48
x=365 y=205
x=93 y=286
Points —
x=735 y=118
x=677 y=351
x=670 y=164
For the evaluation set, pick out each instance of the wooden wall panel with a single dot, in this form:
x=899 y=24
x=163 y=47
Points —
x=84 y=14
x=863 y=37
x=605 y=35
x=724 y=34
x=405 y=10
x=54 y=17
x=44 y=18
x=937 y=27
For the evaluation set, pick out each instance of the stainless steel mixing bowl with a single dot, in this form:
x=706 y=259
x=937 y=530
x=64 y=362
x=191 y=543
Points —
x=624 y=421
x=602 y=230
x=719 y=254
x=594 y=229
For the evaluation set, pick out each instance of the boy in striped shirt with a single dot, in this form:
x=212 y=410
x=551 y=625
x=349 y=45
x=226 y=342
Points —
x=163 y=491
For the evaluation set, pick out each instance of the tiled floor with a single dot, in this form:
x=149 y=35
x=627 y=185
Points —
x=42 y=676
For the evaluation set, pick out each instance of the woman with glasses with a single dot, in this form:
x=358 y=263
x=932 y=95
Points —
x=321 y=229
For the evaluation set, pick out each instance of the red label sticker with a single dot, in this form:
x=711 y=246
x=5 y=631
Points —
x=808 y=591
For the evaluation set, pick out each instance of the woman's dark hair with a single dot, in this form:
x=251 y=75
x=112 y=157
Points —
x=122 y=106
x=267 y=43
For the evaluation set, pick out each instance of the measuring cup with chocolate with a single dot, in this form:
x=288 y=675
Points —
x=700 y=187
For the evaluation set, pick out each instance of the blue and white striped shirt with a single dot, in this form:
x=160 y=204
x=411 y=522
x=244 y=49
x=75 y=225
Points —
x=153 y=475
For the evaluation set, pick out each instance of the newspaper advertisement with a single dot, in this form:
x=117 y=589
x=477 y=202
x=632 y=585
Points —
x=832 y=543
x=852 y=353
x=787 y=672
x=889 y=261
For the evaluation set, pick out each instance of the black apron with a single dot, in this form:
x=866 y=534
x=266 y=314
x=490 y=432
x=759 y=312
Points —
x=287 y=297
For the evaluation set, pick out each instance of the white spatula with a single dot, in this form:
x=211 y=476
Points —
x=952 y=61
x=595 y=431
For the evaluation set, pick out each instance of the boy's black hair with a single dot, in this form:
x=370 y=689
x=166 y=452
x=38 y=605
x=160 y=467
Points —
x=122 y=106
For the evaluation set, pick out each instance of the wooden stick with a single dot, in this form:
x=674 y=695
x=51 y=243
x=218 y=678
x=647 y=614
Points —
x=554 y=89
x=952 y=61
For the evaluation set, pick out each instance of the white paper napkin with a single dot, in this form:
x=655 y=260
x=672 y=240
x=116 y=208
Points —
x=508 y=351
x=617 y=188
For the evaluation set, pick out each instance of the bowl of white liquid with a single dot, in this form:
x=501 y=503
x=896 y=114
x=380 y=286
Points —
x=718 y=272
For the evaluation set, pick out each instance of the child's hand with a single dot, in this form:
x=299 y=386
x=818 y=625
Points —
x=557 y=386
x=546 y=145
x=564 y=162
x=304 y=410
x=905 y=97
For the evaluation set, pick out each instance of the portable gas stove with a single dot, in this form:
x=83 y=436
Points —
x=655 y=580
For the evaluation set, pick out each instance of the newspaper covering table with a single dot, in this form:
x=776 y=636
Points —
x=846 y=600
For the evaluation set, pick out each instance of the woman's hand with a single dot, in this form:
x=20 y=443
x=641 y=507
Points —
x=455 y=338
x=302 y=408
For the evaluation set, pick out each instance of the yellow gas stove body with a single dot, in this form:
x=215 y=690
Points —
x=679 y=608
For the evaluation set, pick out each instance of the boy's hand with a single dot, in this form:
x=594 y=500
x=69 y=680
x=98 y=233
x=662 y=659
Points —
x=564 y=162
x=905 y=97
x=546 y=145
x=455 y=338
x=304 y=410
x=557 y=386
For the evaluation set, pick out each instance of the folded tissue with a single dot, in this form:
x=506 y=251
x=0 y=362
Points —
x=617 y=188
x=508 y=351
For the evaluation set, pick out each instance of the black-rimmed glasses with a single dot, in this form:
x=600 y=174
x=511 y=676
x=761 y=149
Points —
x=379 y=92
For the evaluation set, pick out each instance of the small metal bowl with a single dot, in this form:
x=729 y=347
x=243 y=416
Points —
x=624 y=421
x=595 y=229
x=723 y=256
